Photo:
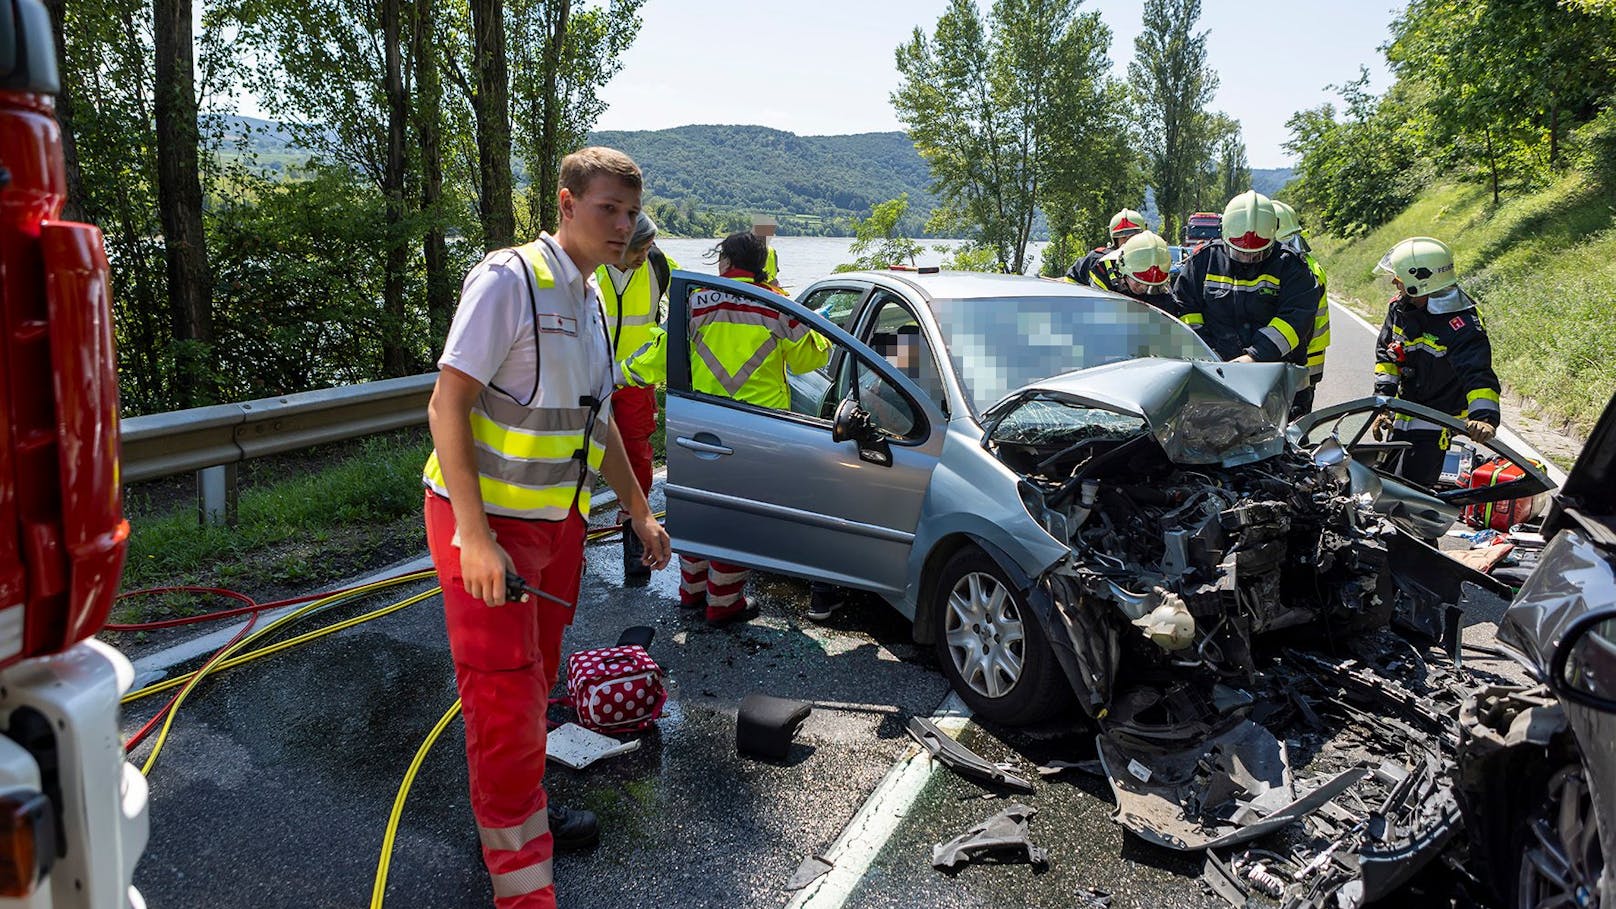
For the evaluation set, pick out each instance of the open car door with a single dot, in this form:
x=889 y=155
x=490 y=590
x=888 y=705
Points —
x=1425 y=513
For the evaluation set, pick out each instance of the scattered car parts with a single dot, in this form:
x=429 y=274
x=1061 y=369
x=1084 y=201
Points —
x=1001 y=838
x=962 y=760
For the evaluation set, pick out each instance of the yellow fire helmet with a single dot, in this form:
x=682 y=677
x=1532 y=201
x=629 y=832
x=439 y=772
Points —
x=1423 y=264
x=1289 y=224
x=1146 y=258
x=1127 y=222
x=1249 y=222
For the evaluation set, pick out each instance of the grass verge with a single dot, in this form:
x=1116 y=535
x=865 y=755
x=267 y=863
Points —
x=1542 y=268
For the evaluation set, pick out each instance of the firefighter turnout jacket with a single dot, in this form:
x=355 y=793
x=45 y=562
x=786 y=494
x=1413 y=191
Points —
x=1441 y=359
x=1082 y=271
x=541 y=423
x=1265 y=309
x=1321 y=322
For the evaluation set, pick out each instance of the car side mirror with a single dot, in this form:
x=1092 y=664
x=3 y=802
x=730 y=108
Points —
x=853 y=424
x=1583 y=668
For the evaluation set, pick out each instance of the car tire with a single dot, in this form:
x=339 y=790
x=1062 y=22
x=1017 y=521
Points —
x=992 y=647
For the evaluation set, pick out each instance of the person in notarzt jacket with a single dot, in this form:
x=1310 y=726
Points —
x=1433 y=350
x=1251 y=299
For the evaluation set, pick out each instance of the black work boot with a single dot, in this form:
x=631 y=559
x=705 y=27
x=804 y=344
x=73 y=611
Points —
x=633 y=552
x=573 y=828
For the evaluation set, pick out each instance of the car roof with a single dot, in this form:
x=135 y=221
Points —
x=974 y=285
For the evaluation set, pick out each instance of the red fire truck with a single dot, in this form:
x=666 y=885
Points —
x=73 y=818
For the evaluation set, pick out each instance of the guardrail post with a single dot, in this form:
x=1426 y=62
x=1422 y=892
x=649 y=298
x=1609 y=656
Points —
x=216 y=495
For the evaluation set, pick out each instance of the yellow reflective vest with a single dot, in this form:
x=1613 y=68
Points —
x=738 y=349
x=533 y=460
x=631 y=319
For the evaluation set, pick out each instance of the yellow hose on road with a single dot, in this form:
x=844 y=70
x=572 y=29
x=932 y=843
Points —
x=379 y=890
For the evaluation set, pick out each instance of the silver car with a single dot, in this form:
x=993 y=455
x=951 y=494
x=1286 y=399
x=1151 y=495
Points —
x=877 y=478
x=1065 y=491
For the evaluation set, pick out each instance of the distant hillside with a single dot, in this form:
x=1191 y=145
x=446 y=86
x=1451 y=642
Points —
x=1269 y=180
x=809 y=179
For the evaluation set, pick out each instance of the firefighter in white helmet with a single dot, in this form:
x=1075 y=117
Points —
x=1433 y=350
x=1141 y=269
x=1251 y=299
x=1124 y=224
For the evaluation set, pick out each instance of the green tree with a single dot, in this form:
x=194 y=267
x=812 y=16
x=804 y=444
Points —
x=880 y=241
x=563 y=57
x=1172 y=87
x=1357 y=172
x=994 y=105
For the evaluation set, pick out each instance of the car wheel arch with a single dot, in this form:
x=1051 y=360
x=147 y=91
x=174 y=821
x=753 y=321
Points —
x=927 y=611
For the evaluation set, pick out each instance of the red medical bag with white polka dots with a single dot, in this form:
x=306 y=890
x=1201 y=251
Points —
x=615 y=689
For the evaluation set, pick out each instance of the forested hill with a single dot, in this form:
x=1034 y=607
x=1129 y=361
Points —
x=814 y=184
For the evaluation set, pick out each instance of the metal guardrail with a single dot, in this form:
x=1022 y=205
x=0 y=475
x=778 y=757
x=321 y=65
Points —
x=160 y=445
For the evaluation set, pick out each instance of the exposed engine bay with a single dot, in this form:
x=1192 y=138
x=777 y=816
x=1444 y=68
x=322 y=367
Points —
x=1227 y=613
x=1176 y=571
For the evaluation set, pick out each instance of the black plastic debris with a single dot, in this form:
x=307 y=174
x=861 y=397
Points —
x=1001 y=839
x=766 y=725
x=961 y=759
x=1093 y=898
x=636 y=636
x=812 y=869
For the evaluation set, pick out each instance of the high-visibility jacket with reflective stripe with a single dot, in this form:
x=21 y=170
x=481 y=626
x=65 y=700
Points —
x=740 y=349
x=1441 y=360
x=533 y=460
x=1265 y=309
x=1321 y=322
x=631 y=317
x=771 y=265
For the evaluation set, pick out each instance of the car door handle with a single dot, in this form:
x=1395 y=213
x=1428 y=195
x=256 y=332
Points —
x=703 y=447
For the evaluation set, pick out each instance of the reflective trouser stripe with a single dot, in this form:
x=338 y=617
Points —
x=514 y=838
x=722 y=583
x=525 y=880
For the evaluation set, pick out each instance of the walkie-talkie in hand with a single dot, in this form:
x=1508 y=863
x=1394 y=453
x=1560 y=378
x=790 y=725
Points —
x=518 y=590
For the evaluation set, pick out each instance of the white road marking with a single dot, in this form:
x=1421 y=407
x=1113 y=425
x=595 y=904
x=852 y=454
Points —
x=867 y=833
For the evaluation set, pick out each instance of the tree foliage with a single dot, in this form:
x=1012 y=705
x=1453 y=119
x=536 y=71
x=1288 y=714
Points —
x=1001 y=108
x=334 y=239
x=1172 y=86
x=1493 y=89
x=880 y=241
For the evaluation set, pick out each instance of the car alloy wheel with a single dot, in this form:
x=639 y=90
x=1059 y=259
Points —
x=986 y=638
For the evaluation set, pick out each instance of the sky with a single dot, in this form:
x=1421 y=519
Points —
x=825 y=67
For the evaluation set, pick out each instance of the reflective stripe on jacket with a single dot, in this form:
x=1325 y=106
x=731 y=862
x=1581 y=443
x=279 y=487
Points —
x=1266 y=309
x=1441 y=360
x=741 y=350
x=1321 y=323
x=532 y=459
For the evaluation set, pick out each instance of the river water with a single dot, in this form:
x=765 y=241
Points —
x=804 y=260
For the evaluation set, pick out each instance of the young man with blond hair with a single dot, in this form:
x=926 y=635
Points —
x=521 y=423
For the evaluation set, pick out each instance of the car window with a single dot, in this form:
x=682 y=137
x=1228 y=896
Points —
x=836 y=304
x=888 y=407
x=895 y=334
x=999 y=345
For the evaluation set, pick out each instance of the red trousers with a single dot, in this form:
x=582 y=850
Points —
x=634 y=411
x=506 y=661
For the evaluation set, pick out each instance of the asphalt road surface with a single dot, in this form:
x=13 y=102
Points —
x=276 y=783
